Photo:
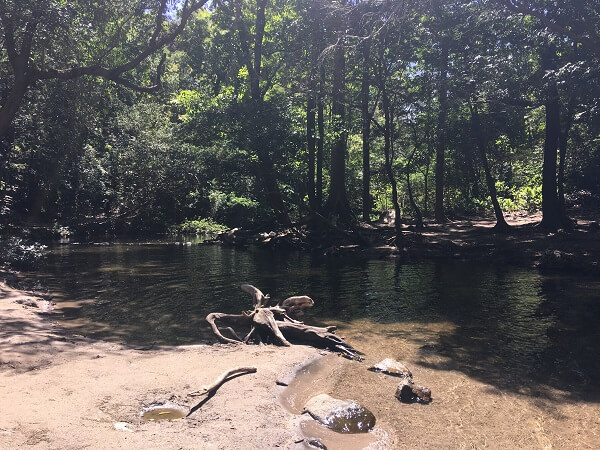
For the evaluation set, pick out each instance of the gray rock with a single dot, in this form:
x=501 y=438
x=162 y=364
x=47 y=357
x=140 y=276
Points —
x=392 y=367
x=344 y=416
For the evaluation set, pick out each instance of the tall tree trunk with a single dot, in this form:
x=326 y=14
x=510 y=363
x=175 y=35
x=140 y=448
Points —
x=389 y=160
x=253 y=63
x=311 y=104
x=562 y=155
x=366 y=131
x=337 y=203
x=321 y=138
x=411 y=199
x=440 y=156
x=501 y=224
x=551 y=213
x=426 y=187
x=11 y=106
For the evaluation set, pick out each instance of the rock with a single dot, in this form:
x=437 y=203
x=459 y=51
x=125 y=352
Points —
x=344 y=416
x=408 y=392
x=316 y=443
x=392 y=367
x=122 y=426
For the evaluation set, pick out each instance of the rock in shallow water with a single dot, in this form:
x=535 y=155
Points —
x=408 y=392
x=344 y=416
x=392 y=367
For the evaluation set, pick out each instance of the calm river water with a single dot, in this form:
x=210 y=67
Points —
x=488 y=318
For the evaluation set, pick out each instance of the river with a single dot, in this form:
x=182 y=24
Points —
x=472 y=332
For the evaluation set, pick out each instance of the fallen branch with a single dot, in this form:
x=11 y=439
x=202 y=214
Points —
x=209 y=389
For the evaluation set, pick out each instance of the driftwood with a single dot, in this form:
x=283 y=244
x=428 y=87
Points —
x=209 y=389
x=273 y=324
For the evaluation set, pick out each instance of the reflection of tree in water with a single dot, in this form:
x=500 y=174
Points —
x=519 y=330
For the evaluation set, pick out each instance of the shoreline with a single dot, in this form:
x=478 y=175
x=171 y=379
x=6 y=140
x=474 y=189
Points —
x=67 y=391
x=577 y=251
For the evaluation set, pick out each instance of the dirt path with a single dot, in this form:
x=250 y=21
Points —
x=64 y=392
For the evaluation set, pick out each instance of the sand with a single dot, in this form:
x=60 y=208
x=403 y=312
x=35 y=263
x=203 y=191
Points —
x=67 y=392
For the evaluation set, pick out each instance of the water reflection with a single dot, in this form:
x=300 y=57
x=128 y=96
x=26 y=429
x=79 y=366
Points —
x=496 y=323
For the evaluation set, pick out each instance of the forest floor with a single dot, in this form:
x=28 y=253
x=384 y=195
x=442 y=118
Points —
x=526 y=243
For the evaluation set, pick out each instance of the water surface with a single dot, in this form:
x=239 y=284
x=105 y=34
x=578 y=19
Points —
x=492 y=322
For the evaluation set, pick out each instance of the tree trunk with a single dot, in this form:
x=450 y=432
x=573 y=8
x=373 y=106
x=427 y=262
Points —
x=253 y=64
x=311 y=104
x=337 y=203
x=426 y=187
x=411 y=199
x=551 y=213
x=366 y=131
x=440 y=157
x=11 y=106
x=389 y=163
x=501 y=224
x=562 y=155
x=321 y=138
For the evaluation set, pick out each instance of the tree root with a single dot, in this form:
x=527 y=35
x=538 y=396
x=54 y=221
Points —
x=272 y=324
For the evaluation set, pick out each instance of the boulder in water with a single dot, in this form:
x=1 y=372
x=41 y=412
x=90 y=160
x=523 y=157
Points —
x=344 y=416
x=408 y=392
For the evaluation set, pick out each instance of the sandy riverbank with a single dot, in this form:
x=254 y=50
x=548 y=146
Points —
x=67 y=392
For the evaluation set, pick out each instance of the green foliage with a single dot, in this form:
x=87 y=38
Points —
x=95 y=156
x=21 y=254
x=198 y=226
x=233 y=210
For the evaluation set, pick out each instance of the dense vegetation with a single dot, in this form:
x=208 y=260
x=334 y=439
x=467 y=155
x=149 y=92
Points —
x=137 y=115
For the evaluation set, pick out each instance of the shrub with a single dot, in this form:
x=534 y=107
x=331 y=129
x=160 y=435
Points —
x=22 y=255
x=199 y=226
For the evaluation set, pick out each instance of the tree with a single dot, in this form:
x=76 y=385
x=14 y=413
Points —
x=31 y=29
x=252 y=58
x=337 y=202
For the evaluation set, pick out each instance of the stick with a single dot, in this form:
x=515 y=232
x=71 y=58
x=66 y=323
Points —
x=206 y=390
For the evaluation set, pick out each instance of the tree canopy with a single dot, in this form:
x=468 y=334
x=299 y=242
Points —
x=132 y=116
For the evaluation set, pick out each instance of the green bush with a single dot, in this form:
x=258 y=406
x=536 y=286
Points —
x=199 y=226
x=232 y=210
x=22 y=255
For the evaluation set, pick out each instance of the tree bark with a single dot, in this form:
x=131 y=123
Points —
x=253 y=63
x=551 y=213
x=311 y=106
x=440 y=156
x=337 y=202
x=501 y=224
x=389 y=160
x=562 y=155
x=321 y=138
x=366 y=131
x=310 y=137
x=411 y=199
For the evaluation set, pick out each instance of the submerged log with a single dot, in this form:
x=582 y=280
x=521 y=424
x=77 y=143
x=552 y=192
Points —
x=273 y=324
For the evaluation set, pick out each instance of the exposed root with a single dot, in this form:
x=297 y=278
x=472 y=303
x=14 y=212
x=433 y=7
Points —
x=273 y=324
